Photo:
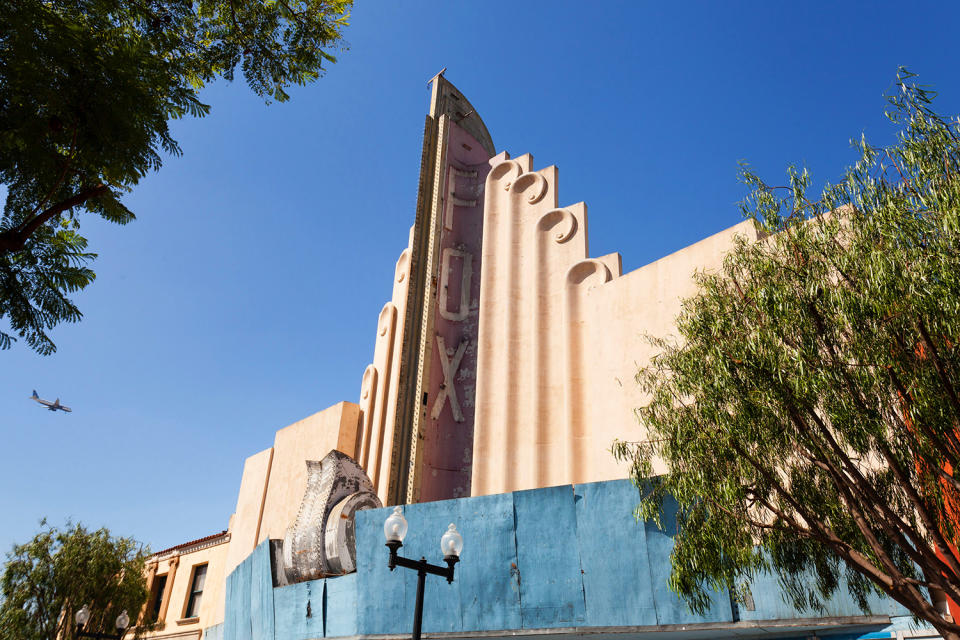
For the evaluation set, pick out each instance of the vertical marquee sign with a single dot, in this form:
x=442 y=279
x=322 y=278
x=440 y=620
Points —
x=433 y=437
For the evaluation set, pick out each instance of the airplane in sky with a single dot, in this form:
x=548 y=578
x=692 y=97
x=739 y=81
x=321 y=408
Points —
x=51 y=406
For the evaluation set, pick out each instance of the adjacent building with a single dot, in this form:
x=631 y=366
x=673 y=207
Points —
x=186 y=587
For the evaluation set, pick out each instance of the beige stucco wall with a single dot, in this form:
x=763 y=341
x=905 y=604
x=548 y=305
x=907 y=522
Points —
x=245 y=525
x=309 y=439
x=617 y=316
x=562 y=335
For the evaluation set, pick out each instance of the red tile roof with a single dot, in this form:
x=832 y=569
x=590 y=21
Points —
x=191 y=543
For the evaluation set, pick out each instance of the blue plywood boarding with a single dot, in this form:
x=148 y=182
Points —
x=214 y=632
x=551 y=589
x=228 y=629
x=483 y=595
x=612 y=545
x=237 y=623
x=291 y=621
x=769 y=603
x=381 y=594
x=886 y=633
x=441 y=600
x=487 y=572
x=670 y=608
x=340 y=608
x=249 y=599
x=547 y=558
x=261 y=593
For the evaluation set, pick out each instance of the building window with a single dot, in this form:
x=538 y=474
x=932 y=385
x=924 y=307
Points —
x=156 y=596
x=196 y=590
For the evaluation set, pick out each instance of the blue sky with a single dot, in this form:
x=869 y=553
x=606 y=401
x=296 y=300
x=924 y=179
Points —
x=245 y=296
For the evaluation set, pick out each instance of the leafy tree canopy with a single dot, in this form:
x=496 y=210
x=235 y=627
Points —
x=87 y=88
x=48 y=579
x=808 y=411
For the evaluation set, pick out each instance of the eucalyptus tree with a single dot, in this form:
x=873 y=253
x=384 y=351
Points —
x=807 y=410
x=87 y=91
x=48 y=579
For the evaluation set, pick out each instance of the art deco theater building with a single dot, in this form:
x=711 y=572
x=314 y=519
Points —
x=502 y=371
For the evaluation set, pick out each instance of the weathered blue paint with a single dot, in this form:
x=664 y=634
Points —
x=214 y=632
x=381 y=595
x=769 y=603
x=487 y=575
x=670 y=608
x=249 y=611
x=559 y=557
x=612 y=547
x=340 y=610
x=551 y=588
x=237 y=624
x=886 y=635
x=441 y=600
x=261 y=593
x=291 y=621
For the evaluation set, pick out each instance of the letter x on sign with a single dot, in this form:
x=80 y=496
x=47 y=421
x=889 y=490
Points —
x=447 y=390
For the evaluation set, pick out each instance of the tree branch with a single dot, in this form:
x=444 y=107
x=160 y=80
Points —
x=13 y=240
x=63 y=174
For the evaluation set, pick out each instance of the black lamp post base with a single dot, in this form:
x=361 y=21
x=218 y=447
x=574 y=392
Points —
x=422 y=567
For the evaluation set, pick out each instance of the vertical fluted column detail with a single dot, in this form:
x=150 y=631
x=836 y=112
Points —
x=532 y=194
x=531 y=375
x=580 y=278
x=368 y=394
x=383 y=359
x=567 y=228
x=490 y=434
x=529 y=244
x=391 y=377
x=379 y=385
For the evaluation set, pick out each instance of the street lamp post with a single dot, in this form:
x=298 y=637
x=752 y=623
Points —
x=451 y=544
x=83 y=617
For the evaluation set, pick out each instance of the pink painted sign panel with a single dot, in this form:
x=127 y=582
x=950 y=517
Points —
x=447 y=447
